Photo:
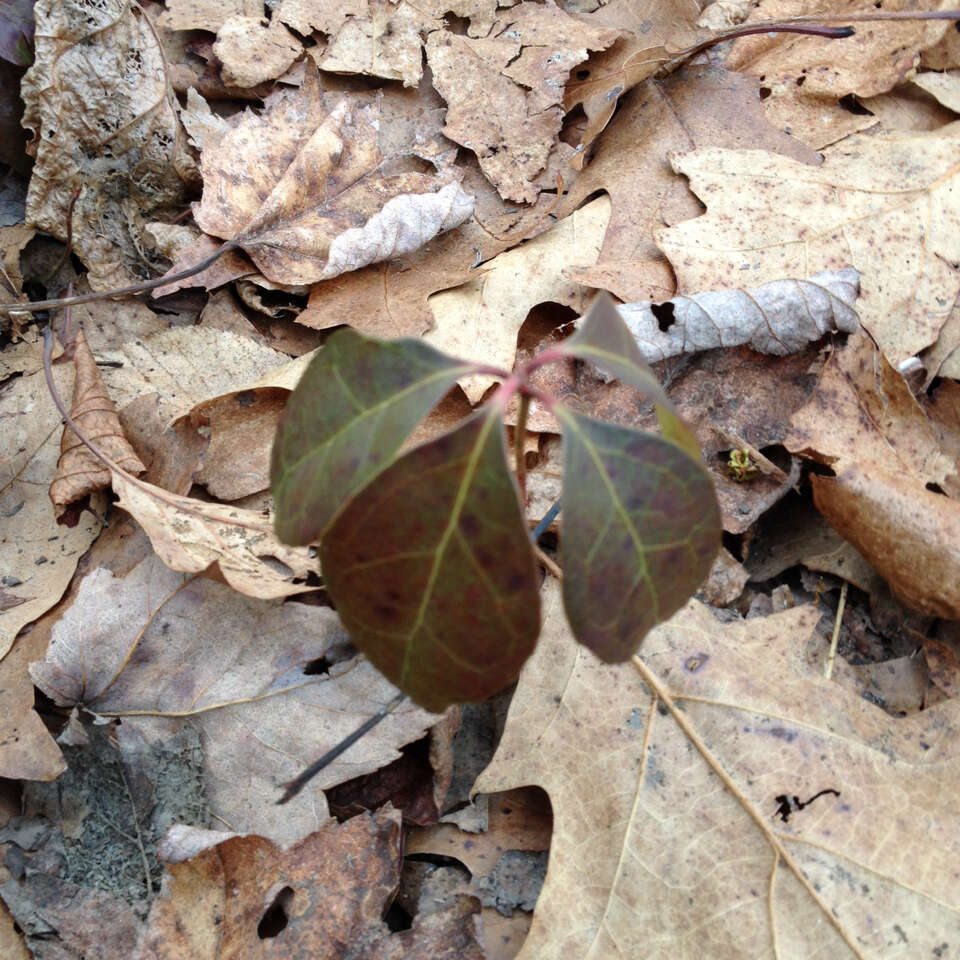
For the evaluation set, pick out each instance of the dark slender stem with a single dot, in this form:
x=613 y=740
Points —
x=135 y=288
x=545 y=522
x=296 y=785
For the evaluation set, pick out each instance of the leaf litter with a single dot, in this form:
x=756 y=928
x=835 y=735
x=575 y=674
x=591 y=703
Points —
x=470 y=179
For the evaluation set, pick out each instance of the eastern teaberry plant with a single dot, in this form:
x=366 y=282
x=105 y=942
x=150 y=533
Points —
x=427 y=555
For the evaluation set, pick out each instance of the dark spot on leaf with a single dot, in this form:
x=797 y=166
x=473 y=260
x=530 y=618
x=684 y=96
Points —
x=276 y=916
x=246 y=398
x=765 y=92
x=694 y=663
x=664 y=314
x=470 y=525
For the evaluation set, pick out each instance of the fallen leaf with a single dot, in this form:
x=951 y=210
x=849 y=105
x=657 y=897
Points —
x=481 y=319
x=506 y=107
x=877 y=57
x=252 y=50
x=208 y=14
x=692 y=753
x=862 y=412
x=308 y=195
x=942 y=406
x=391 y=299
x=192 y=535
x=698 y=106
x=79 y=472
x=38 y=556
x=323 y=906
x=773 y=217
x=163 y=651
x=383 y=40
x=98 y=106
x=231 y=265
x=454 y=620
x=779 y=317
x=203 y=126
x=909 y=535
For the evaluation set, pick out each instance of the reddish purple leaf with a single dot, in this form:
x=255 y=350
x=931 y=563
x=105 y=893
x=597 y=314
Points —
x=642 y=528
x=354 y=406
x=432 y=571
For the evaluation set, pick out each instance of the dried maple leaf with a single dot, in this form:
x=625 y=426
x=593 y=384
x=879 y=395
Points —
x=308 y=195
x=678 y=779
x=505 y=91
x=887 y=205
x=97 y=103
x=780 y=317
x=161 y=651
x=79 y=472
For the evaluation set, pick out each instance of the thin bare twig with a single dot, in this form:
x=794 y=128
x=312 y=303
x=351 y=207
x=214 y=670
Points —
x=834 y=640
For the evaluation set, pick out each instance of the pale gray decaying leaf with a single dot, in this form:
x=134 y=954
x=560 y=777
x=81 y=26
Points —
x=779 y=317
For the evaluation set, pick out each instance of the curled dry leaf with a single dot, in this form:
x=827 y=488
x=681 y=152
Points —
x=165 y=652
x=910 y=535
x=97 y=103
x=780 y=317
x=505 y=91
x=308 y=195
x=690 y=756
x=191 y=535
x=888 y=205
x=79 y=472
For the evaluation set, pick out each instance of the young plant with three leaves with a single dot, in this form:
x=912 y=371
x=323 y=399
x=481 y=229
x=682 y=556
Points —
x=427 y=555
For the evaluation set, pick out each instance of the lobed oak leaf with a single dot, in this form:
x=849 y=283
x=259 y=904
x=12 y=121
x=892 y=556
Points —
x=308 y=194
x=888 y=205
x=670 y=837
x=79 y=472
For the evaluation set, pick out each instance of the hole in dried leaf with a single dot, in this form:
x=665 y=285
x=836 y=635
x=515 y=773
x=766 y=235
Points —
x=851 y=104
x=276 y=916
x=317 y=667
x=397 y=918
x=765 y=92
x=936 y=488
x=457 y=25
x=583 y=74
x=664 y=314
x=801 y=81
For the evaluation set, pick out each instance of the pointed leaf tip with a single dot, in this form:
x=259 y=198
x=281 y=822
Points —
x=351 y=411
x=432 y=570
x=642 y=528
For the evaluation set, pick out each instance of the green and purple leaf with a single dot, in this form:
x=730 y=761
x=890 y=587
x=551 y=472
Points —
x=605 y=340
x=353 y=408
x=641 y=531
x=432 y=571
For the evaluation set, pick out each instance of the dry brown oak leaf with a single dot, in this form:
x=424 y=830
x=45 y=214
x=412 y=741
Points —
x=162 y=650
x=668 y=841
x=778 y=318
x=252 y=50
x=504 y=91
x=326 y=896
x=97 y=102
x=888 y=205
x=79 y=471
x=308 y=195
